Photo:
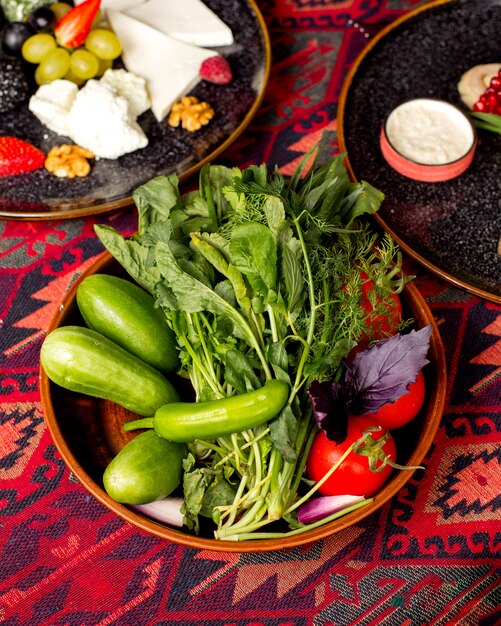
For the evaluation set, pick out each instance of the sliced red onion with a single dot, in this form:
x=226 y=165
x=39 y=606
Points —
x=318 y=508
x=167 y=511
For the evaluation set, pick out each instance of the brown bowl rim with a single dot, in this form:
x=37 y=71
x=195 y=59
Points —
x=435 y=406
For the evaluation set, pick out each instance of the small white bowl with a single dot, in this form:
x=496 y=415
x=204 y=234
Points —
x=429 y=140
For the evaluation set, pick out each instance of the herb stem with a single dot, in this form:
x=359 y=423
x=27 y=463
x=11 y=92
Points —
x=245 y=536
x=273 y=323
x=313 y=309
x=208 y=359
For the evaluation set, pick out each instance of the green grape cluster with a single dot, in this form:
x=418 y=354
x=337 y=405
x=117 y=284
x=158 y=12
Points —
x=91 y=60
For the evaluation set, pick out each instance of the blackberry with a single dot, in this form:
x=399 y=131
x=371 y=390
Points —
x=13 y=84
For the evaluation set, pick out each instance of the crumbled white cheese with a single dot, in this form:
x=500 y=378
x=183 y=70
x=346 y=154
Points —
x=101 y=121
x=100 y=117
x=131 y=87
x=51 y=104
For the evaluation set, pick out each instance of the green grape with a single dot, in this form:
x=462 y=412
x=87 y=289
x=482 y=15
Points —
x=103 y=43
x=97 y=20
x=59 y=9
x=39 y=79
x=104 y=64
x=54 y=65
x=84 y=64
x=36 y=47
x=73 y=78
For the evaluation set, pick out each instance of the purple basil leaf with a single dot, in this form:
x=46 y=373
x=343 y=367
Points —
x=329 y=409
x=382 y=373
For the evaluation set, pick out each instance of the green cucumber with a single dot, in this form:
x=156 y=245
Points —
x=82 y=360
x=148 y=468
x=126 y=314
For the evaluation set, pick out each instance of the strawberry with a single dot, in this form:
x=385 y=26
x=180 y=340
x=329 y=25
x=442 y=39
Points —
x=18 y=157
x=72 y=29
x=217 y=70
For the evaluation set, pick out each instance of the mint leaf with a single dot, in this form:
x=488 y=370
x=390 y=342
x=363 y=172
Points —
x=253 y=250
x=155 y=200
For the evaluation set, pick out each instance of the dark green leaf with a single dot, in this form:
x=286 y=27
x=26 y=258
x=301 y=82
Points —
x=155 y=200
x=275 y=213
x=253 y=251
x=239 y=372
x=279 y=359
x=219 y=493
x=131 y=255
x=193 y=296
x=283 y=432
x=292 y=274
x=364 y=199
x=226 y=291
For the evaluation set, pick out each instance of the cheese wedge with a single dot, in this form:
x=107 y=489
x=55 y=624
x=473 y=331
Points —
x=170 y=67
x=116 y=5
x=190 y=21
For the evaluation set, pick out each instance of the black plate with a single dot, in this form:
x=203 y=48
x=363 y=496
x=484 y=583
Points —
x=452 y=227
x=40 y=195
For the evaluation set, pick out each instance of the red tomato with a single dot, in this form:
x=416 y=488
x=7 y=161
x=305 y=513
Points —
x=379 y=325
x=384 y=324
x=353 y=476
x=404 y=409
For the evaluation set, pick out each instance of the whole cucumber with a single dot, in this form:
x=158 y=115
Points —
x=82 y=360
x=126 y=314
x=146 y=469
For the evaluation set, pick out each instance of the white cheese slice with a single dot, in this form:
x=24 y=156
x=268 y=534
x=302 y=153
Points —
x=116 y=5
x=190 y=21
x=170 y=67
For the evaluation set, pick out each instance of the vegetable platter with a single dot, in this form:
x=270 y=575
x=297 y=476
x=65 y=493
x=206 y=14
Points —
x=134 y=135
x=293 y=327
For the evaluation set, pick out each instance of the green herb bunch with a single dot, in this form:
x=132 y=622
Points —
x=260 y=277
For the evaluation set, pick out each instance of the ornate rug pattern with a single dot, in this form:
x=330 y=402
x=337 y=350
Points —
x=430 y=556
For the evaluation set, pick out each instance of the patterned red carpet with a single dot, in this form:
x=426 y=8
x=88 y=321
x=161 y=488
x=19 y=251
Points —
x=430 y=556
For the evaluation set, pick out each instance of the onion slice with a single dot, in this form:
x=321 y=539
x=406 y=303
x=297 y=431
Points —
x=318 y=508
x=167 y=511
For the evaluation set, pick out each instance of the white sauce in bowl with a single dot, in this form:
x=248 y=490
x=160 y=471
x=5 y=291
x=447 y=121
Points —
x=431 y=132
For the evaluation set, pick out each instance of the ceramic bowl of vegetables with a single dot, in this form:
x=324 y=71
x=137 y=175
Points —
x=250 y=371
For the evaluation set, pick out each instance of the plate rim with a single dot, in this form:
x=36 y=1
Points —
x=436 y=402
x=343 y=96
x=122 y=203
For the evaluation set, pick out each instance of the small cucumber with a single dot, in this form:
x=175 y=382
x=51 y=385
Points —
x=146 y=469
x=126 y=314
x=82 y=360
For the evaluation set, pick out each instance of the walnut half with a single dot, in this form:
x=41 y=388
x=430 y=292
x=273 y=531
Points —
x=68 y=161
x=190 y=113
